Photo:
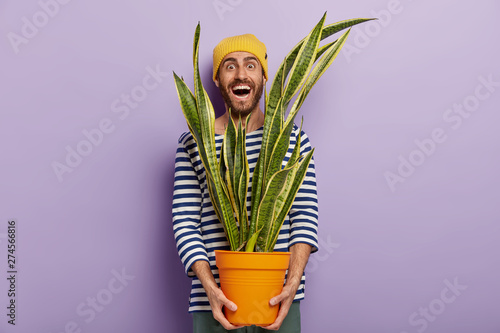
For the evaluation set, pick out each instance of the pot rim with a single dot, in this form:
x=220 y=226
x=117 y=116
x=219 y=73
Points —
x=254 y=253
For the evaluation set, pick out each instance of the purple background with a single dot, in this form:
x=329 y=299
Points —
x=387 y=253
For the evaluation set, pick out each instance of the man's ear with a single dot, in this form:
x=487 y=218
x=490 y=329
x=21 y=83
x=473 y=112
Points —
x=216 y=81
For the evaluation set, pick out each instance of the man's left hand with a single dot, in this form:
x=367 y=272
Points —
x=298 y=260
x=286 y=299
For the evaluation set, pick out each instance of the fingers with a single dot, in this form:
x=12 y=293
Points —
x=219 y=316
x=276 y=300
x=285 y=294
x=218 y=300
x=286 y=299
x=279 y=320
x=222 y=300
x=227 y=303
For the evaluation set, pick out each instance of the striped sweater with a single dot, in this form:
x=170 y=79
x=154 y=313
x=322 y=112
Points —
x=198 y=232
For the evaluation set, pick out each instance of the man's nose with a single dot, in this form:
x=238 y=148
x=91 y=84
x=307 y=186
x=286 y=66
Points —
x=241 y=73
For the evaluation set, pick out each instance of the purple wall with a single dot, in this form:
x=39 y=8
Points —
x=405 y=125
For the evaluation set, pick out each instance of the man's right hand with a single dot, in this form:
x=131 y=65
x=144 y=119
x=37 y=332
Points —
x=215 y=295
x=217 y=299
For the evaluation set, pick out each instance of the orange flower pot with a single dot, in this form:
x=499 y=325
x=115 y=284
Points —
x=250 y=280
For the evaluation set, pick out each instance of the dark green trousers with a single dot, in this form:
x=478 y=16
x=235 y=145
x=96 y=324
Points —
x=204 y=322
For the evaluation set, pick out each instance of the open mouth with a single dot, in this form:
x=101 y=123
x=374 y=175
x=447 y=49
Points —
x=241 y=91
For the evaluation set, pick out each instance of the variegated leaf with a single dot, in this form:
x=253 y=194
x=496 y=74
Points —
x=290 y=197
x=304 y=62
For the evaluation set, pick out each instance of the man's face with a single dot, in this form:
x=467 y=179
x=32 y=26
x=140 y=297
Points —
x=241 y=82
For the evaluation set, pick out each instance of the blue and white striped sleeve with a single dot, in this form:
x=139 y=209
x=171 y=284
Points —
x=186 y=207
x=304 y=211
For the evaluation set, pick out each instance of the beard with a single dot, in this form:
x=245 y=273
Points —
x=244 y=108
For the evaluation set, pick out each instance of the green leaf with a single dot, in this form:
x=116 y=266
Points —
x=229 y=147
x=222 y=163
x=272 y=129
x=320 y=68
x=276 y=91
x=304 y=62
x=287 y=197
x=279 y=151
x=250 y=247
x=296 y=150
x=219 y=193
x=238 y=162
x=330 y=29
x=327 y=31
x=278 y=207
x=265 y=217
x=239 y=177
x=206 y=112
x=323 y=49
x=188 y=106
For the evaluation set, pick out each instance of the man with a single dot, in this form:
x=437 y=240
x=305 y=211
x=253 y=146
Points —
x=240 y=72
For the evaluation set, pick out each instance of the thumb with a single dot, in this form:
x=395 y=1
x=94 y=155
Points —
x=228 y=304
x=276 y=300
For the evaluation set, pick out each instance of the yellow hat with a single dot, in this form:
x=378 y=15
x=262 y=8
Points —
x=243 y=43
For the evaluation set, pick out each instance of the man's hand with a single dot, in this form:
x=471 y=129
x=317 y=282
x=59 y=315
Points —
x=286 y=299
x=217 y=299
x=215 y=296
x=298 y=260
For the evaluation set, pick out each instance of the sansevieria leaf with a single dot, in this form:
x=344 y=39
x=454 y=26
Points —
x=323 y=64
x=266 y=214
x=285 y=201
x=219 y=193
x=304 y=61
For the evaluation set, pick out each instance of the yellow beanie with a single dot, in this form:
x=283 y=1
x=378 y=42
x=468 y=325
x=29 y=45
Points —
x=243 y=43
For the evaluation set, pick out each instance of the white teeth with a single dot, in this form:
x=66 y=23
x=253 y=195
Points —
x=241 y=88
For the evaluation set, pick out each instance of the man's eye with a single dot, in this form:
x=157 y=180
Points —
x=230 y=67
x=252 y=66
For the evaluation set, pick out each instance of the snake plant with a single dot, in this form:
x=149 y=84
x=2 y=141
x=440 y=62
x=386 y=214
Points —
x=274 y=188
